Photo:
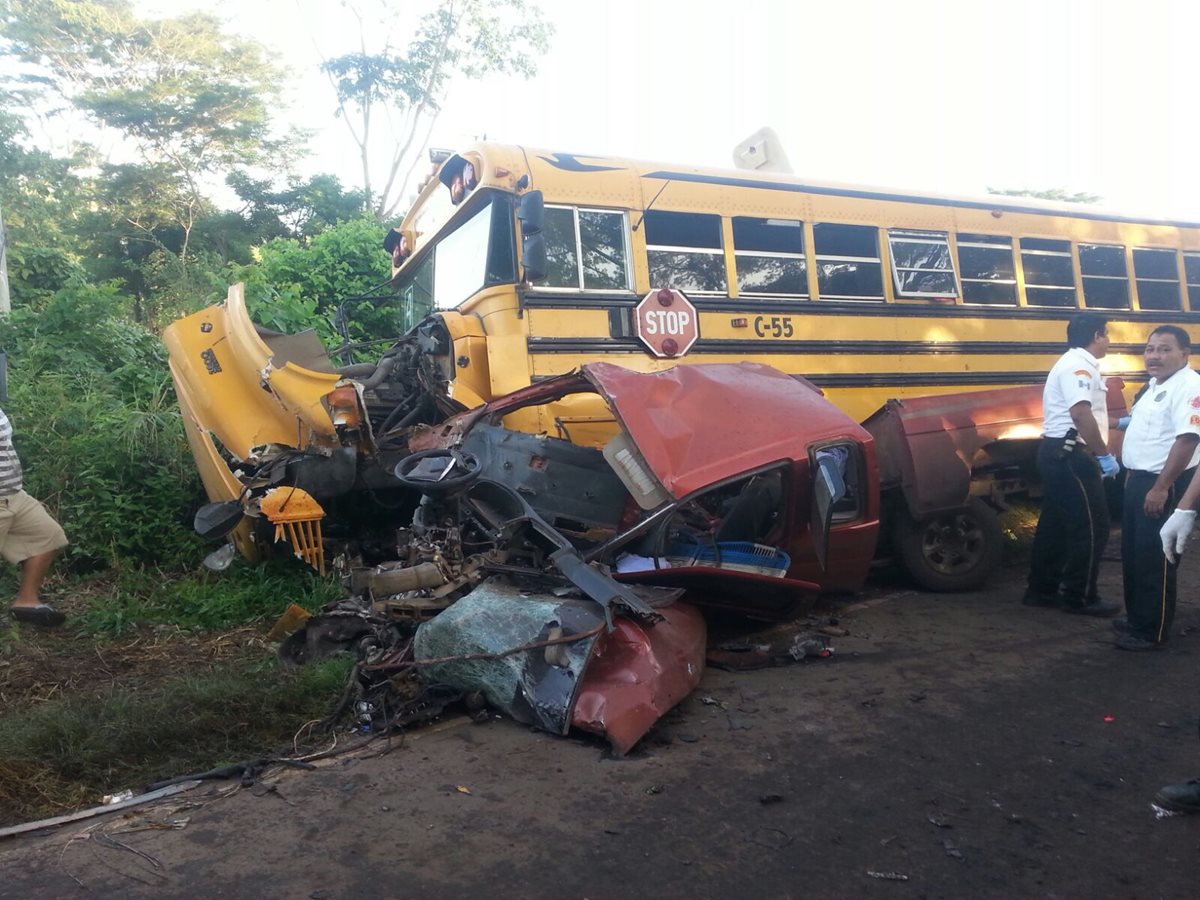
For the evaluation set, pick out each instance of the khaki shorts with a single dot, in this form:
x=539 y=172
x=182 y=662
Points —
x=26 y=529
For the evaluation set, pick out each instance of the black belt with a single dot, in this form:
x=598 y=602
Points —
x=1059 y=441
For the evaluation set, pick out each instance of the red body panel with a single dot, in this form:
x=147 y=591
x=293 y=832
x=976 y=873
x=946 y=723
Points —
x=698 y=425
x=929 y=446
x=637 y=674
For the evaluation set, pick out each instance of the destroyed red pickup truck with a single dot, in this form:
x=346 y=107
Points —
x=505 y=566
x=546 y=575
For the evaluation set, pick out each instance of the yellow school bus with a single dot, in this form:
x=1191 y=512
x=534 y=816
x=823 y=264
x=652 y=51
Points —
x=535 y=262
x=517 y=265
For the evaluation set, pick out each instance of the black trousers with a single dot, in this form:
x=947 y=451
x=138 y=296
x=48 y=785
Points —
x=1149 y=578
x=1073 y=526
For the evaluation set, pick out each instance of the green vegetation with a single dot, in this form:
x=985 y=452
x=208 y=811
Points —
x=202 y=600
x=105 y=249
x=68 y=752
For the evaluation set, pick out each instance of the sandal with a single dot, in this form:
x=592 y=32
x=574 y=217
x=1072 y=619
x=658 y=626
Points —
x=43 y=614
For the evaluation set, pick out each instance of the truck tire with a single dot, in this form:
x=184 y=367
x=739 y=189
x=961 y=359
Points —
x=951 y=552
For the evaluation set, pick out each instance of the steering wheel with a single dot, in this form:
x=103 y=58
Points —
x=438 y=472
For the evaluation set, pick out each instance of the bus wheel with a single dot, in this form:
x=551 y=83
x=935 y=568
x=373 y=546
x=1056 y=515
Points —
x=952 y=552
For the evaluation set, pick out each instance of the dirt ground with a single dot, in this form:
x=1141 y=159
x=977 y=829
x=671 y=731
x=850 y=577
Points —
x=961 y=746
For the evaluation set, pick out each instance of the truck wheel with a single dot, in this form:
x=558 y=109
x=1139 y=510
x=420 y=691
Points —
x=952 y=552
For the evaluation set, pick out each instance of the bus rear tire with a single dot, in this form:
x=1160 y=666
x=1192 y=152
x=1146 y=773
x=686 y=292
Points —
x=951 y=552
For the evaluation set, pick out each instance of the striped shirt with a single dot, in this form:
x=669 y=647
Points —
x=10 y=466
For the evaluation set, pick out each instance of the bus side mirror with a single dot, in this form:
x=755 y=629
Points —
x=531 y=213
x=533 y=256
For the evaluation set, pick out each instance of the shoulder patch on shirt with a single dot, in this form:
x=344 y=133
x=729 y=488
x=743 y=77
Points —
x=1084 y=372
x=1195 y=402
x=1194 y=420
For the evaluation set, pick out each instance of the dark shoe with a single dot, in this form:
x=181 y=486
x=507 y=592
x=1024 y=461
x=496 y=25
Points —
x=1180 y=797
x=1133 y=642
x=43 y=614
x=1033 y=598
x=1096 y=607
x=1122 y=626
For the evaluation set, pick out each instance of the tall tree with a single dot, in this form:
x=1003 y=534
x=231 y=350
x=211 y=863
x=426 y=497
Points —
x=192 y=100
x=405 y=87
x=41 y=198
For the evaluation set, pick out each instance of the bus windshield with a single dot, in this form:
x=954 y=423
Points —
x=478 y=253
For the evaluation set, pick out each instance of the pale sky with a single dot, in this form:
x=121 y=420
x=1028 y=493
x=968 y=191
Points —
x=952 y=97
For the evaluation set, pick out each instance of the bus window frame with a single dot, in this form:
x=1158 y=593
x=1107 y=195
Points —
x=1192 y=303
x=802 y=256
x=1080 y=246
x=717 y=252
x=1010 y=244
x=1071 y=254
x=1180 y=288
x=878 y=260
x=626 y=237
x=908 y=236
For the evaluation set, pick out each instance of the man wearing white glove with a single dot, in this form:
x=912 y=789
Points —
x=1072 y=459
x=1160 y=452
x=1178 y=529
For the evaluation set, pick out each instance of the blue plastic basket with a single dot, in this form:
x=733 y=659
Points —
x=740 y=556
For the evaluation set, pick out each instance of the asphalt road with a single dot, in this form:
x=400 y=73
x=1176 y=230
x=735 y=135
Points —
x=955 y=746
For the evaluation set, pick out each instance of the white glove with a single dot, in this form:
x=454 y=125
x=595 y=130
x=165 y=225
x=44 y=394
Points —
x=1175 y=533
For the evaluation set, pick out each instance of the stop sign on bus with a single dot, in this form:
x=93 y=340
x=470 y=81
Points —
x=667 y=323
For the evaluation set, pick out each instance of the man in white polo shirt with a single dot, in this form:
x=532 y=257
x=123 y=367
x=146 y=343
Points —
x=1072 y=458
x=1160 y=452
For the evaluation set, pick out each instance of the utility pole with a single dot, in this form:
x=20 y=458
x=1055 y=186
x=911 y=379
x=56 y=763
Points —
x=5 y=304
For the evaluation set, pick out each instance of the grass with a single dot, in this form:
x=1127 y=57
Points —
x=118 y=600
x=112 y=601
x=64 y=753
x=191 y=685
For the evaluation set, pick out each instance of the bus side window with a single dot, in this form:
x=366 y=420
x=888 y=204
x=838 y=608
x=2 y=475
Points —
x=562 y=248
x=684 y=251
x=989 y=275
x=586 y=249
x=769 y=255
x=1191 y=266
x=848 y=266
x=921 y=264
x=1157 y=278
x=1105 y=281
x=1049 y=275
x=602 y=241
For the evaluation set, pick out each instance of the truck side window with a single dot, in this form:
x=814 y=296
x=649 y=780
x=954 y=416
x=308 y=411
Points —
x=845 y=460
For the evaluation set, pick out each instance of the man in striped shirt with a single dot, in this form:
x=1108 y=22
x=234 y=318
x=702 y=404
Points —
x=28 y=536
